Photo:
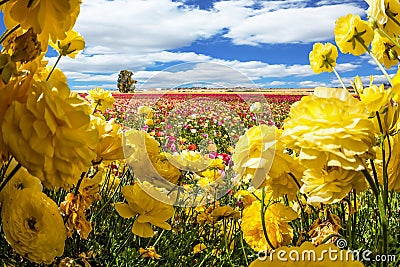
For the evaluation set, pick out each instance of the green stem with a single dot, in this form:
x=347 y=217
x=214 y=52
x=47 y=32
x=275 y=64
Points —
x=9 y=32
x=12 y=173
x=384 y=163
x=354 y=220
x=339 y=78
x=374 y=172
x=263 y=209
x=371 y=182
x=361 y=41
x=51 y=72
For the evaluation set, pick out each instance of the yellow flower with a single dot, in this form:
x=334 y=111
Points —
x=24 y=47
x=21 y=180
x=330 y=128
x=378 y=15
x=50 y=134
x=189 y=160
x=199 y=248
x=254 y=153
x=149 y=211
x=353 y=35
x=48 y=18
x=279 y=232
x=149 y=122
x=164 y=168
x=145 y=110
x=256 y=107
x=224 y=212
x=331 y=185
x=284 y=169
x=245 y=196
x=149 y=252
x=323 y=57
x=33 y=226
x=389 y=118
x=308 y=255
x=385 y=51
x=375 y=98
x=110 y=146
x=71 y=45
x=101 y=99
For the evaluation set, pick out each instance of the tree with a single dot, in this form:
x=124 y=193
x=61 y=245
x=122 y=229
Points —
x=126 y=83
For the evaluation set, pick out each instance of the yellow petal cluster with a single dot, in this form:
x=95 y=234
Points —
x=279 y=232
x=33 y=226
x=21 y=180
x=353 y=35
x=284 y=176
x=385 y=51
x=308 y=255
x=101 y=99
x=148 y=210
x=50 y=134
x=330 y=128
x=378 y=15
x=149 y=252
x=109 y=147
x=254 y=153
x=48 y=18
x=323 y=57
x=331 y=185
x=71 y=45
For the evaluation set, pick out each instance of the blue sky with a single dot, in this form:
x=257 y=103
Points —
x=210 y=43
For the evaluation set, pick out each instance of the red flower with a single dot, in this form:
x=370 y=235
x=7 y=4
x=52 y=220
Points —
x=192 y=147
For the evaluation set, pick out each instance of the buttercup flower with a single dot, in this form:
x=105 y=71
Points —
x=71 y=45
x=226 y=212
x=284 y=169
x=33 y=226
x=353 y=35
x=189 y=160
x=50 y=135
x=386 y=52
x=308 y=255
x=323 y=57
x=396 y=86
x=149 y=252
x=279 y=232
x=167 y=170
x=24 y=47
x=375 y=98
x=21 y=180
x=101 y=99
x=148 y=210
x=254 y=153
x=49 y=19
x=378 y=14
x=330 y=128
x=110 y=146
x=199 y=248
x=331 y=185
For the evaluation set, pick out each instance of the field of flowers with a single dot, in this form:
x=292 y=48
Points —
x=211 y=179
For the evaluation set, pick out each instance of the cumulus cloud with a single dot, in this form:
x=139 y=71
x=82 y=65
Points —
x=143 y=35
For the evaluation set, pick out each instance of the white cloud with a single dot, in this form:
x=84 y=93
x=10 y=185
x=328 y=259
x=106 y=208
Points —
x=311 y=84
x=137 y=34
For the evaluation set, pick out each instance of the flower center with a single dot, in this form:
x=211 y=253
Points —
x=31 y=223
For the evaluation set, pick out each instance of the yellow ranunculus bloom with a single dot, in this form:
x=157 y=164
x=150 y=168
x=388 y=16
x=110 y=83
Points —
x=189 y=160
x=386 y=52
x=149 y=252
x=279 y=180
x=21 y=180
x=71 y=45
x=149 y=211
x=254 y=153
x=376 y=98
x=110 y=146
x=308 y=255
x=353 y=35
x=330 y=128
x=323 y=57
x=167 y=170
x=50 y=134
x=49 y=19
x=277 y=217
x=33 y=226
x=199 y=248
x=331 y=185
x=378 y=15
x=101 y=99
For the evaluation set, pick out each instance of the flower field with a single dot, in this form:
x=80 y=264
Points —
x=199 y=178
